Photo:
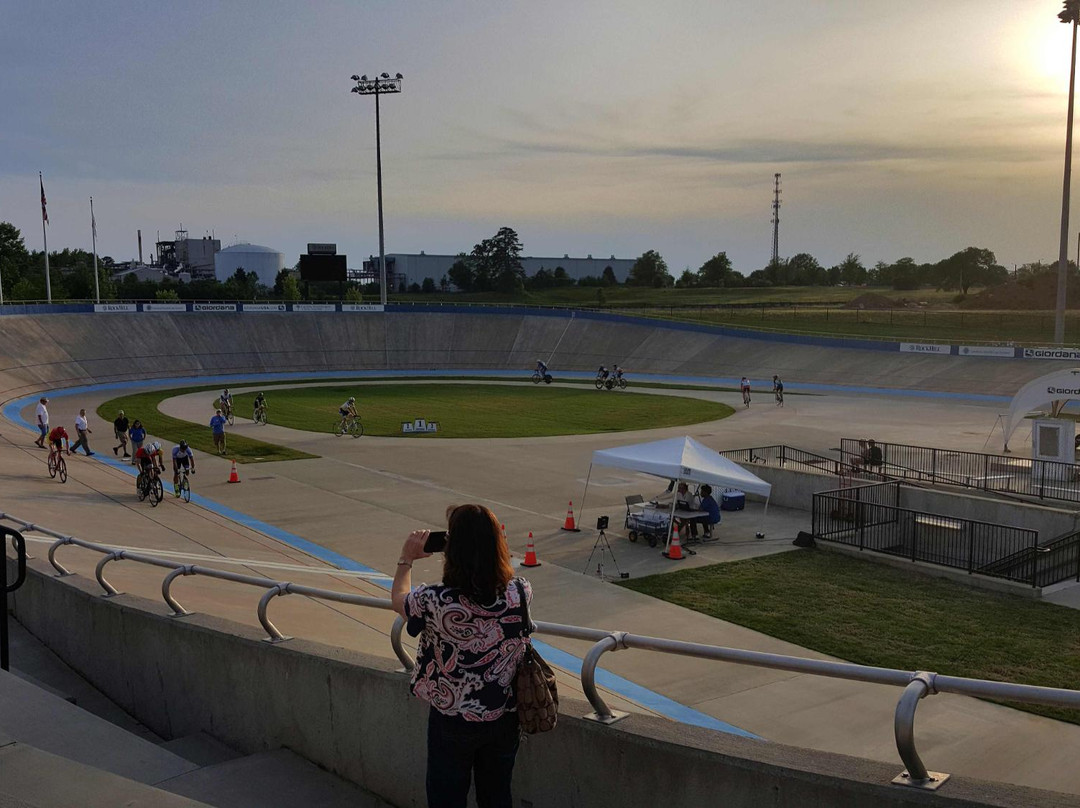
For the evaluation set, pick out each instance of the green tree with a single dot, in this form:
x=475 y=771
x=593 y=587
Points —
x=290 y=288
x=497 y=263
x=687 y=280
x=14 y=258
x=353 y=295
x=166 y=294
x=851 y=271
x=461 y=274
x=717 y=271
x=428 y=286
x=969 y=267
x=650 y=269
x=608 y=277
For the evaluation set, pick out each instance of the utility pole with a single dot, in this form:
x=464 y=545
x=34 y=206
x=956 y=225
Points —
x=776 y=220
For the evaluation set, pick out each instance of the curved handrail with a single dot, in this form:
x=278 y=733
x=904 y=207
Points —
x=916 y=684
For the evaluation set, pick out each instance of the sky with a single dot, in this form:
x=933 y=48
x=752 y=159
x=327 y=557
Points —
x=913 y=128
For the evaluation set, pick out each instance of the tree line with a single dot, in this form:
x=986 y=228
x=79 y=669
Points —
x=494 y=265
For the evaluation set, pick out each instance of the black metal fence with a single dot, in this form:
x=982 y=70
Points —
x=867 y=517
x=1044 y=479
x=781 y=456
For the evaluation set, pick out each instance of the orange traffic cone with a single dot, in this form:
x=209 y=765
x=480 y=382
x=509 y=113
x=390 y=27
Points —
x=674 y=551
x=233 y=476
x=569 y=523
x=530 y=554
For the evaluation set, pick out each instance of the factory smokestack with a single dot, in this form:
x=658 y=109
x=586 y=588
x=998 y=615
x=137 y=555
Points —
x=140 y=246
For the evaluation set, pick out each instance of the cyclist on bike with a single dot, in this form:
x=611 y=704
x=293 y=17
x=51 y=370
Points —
x=226 y=401
x=618 y=371
x=778 y=390
x=602 y=374
x=541 y=367
x=151 y=459
x=59 y=440
x=348 y=412
x=744 y=385
x=260 y=406
x=181 y=456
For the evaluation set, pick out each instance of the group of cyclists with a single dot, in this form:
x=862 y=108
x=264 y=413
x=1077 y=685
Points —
x=258 y=412
x=150 y=460
x=777 y=388
x=610 y=379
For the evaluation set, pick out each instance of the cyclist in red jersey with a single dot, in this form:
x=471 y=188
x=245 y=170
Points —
x=151 y=458
x=59 y=440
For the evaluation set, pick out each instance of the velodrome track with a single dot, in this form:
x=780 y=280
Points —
x=361 y=497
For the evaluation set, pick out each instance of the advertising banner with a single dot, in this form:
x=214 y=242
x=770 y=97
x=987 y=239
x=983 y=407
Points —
x=115 y=307
x=1051 y=353
x=925 y=347
x=263 y=306
x=213 y=307
x=987 y=350
x=361 y=307
x=164 y=306
x=314 y=307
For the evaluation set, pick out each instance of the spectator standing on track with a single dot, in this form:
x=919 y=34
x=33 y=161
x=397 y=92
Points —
x=82 y=429
x=137 y=433
x=42 y=421
x=217 y=428
x=120 y=430
x=472 y=638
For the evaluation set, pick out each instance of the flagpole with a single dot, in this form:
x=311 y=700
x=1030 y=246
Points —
x=45 y=239
x=93 y=234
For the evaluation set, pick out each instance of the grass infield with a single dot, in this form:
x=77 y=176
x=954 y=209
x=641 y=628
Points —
x=144 y=406
x=873 y=614
x=465 y=410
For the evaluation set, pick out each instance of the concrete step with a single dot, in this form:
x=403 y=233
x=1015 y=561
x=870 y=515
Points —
x=201 y=749
x=38 y=718
x=36 y=779
x=271 y=778
x=33 y=661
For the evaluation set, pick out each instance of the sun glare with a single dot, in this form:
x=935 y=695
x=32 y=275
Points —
x=1043 y=54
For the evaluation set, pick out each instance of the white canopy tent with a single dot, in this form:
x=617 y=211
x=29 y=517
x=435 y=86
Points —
x=1052 y=390
x=681 y=459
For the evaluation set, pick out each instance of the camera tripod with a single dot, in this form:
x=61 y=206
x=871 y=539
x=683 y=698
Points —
x=604 y=546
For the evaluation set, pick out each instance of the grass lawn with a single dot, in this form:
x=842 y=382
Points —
x=483 y=411
x=144 y=406
x=873 y=614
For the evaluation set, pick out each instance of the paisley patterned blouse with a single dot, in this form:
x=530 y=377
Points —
x=468 y=654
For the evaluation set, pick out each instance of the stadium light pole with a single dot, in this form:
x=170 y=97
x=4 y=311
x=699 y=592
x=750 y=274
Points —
x=376 y=87
x=1069 y=14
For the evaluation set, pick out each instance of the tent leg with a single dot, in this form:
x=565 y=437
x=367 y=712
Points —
x=765 y=514
x=585 y=493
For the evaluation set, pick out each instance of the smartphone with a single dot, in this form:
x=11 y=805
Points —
x=436 y=542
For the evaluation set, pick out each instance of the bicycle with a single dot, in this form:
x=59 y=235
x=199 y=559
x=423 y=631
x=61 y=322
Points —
x=183 y=487
x=351 y=426
x=228 y=413
x=57 y=465
x=779 y=398
x=746 y=396
x=148 y=486
x=259 y=416
x=537 y=377
x=601 y=381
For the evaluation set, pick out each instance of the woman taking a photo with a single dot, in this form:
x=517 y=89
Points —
x=472 y=637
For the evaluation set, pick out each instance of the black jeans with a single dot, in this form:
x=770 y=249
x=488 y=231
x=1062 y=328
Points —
x=457 y=748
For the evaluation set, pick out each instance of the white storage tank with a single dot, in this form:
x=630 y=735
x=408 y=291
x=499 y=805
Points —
x=263 y=261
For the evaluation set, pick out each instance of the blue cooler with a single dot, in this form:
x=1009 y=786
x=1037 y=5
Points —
x=732 y=500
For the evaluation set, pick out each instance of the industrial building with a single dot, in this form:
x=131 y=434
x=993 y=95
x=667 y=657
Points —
x=412 y=268
x=183 y=254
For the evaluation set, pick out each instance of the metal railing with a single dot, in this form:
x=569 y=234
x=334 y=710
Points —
x=1003 y=474
x=859 y=517
x=781 y=455
x=916 y=684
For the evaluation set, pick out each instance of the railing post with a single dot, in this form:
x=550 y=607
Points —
x=916 y=775
x=395 y=642
x=783 y=454
x=603 y=714
x=110 y=590
x=52 y=555
x=166 y=589
x=264 y=601
x=19 y=544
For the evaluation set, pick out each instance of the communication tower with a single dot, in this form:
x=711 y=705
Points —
x=776 y=220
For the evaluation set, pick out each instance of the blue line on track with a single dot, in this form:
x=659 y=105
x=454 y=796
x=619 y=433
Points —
x=617 y=684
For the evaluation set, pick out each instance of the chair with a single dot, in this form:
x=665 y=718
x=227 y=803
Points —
x=633 y=499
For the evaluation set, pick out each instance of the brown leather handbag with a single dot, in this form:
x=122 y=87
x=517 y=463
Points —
x=537 y=696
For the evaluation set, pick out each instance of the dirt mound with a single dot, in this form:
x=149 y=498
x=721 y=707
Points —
x=1038 y=292
x=873 y=300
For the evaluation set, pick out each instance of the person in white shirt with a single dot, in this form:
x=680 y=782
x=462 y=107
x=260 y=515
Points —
x=83 y=429
x=42 y=421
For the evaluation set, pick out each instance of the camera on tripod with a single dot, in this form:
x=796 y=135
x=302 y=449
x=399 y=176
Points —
x=604 y=547
x=601 y=523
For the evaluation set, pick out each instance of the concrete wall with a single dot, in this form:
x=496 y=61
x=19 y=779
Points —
x=353 y=715
x=57 y=350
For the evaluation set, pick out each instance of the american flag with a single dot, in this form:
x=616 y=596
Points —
x=44 y=213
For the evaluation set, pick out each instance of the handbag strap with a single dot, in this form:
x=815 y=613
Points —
x=529 y=627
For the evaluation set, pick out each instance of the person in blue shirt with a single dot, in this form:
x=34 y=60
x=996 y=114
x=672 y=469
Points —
x=137 y=433
x=217 y=427
x=707 y=503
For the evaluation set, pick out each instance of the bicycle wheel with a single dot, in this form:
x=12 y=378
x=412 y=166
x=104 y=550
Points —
x=356 y=429
x=61 y=469
x=599 y=383
x=157 y=491
x=339 y=430
x=185 y=488
x=536 y=377
x=230 y=418
x=52 y=464
x=140 y=486
x=622 y=384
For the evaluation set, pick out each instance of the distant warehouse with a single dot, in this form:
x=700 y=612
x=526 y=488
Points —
x=410 y=268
